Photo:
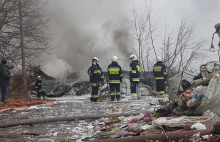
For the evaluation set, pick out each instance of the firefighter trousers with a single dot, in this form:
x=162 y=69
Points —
x=134 y=91
x=41 y=94
x=115 y=89
x=160 y=86
x=94 y=95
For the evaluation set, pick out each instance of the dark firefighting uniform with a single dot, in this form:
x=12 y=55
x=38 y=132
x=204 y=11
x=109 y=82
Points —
x=115 y=78
x=96 y=78
x=39 y=86
x=160 y=75
x=134 y=78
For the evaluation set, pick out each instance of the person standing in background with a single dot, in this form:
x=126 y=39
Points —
x=115 y=78
x=160 y=76
x=96 y=79
x=134 y=76
x=5 y=77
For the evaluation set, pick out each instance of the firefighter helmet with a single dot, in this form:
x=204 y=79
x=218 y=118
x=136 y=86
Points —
x=133 y=57
x=114 y=59
x=95 y=58
x=159 y=58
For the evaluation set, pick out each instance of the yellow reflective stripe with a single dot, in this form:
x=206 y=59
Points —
x=157 y=68
x=89 y=72
x=159 y=78
x=112 y=93
x=93 y=84
x=165 y=73
x=114 y=81
x=121 y=75
x=114 y=70
x=98 y=71
x=95 y=96
x=138 y=68
x=162 y=92
x=133 y=71
x=134 y=94
x=118 y=93
x=135 y=79
x=102 y=76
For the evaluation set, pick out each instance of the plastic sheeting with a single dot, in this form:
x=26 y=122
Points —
x=175 y=81
x=212 y=97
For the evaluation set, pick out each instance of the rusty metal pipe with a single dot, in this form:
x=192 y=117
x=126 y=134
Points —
x=171 y=135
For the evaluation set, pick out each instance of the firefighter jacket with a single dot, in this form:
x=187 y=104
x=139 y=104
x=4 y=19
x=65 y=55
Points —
x=96 y=75
x=159 y=71
x=114 y=73
x=39 y=86
x=135 y=72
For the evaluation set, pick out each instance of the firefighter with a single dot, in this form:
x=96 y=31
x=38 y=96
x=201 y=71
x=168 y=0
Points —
x=39 y=86
x=160 y=76
x=134 y=76
x=115 y=78
x=96 y=79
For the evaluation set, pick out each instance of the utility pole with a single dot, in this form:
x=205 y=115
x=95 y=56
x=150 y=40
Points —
x=24 y=77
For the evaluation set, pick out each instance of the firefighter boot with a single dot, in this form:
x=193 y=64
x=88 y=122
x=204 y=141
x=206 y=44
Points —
x=118 y=96
x=112 y=96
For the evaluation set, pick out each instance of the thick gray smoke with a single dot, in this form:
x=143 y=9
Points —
x=88 y=28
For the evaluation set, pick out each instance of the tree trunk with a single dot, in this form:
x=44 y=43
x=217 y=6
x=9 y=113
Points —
x=22 y=48
x=57 y=119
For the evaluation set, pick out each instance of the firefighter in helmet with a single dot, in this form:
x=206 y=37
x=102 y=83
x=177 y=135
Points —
x=96 y=79
x=39 y=86
x=134 y=76
x=160 y=76
x=115 y=78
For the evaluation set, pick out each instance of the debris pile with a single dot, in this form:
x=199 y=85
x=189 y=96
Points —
x=145 y=124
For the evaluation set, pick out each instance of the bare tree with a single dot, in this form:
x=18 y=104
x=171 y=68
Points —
x=140 y=32
x=179 y=54
x=23 y=31
x=179 y=49
x=35 y=23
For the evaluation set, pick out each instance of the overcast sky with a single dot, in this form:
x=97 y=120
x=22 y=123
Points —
x=85 y=24
x=205 y=14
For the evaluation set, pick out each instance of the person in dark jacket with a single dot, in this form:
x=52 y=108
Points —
x=40 y=88
x=115 y=78
x=134 y=76
x=160 y=76
x=96 y=79
x=5 y=77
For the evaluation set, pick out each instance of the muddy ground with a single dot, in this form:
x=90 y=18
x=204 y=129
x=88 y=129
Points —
x=65 y=106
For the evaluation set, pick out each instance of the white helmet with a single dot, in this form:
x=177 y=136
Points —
x=159 y=58
x=133 y=57
x=114 y=59
x=95 y=58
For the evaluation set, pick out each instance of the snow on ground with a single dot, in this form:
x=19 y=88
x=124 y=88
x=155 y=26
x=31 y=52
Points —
x=65 y=106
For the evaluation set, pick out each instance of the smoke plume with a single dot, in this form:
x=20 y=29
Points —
x=87 y=28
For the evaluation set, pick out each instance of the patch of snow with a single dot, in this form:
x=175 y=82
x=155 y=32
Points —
x=33 y=107
x=147 y=127
x=198 y=126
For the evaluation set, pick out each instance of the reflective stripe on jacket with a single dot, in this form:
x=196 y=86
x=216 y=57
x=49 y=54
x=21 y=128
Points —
x=114 y=73
x=159 y=71
x=135 y=72
x=96 y=75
